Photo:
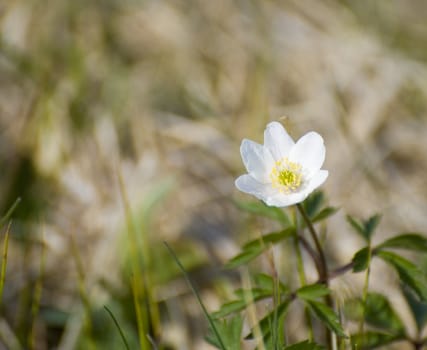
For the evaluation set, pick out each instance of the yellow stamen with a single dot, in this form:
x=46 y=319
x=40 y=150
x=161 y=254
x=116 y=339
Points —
x=286 y=176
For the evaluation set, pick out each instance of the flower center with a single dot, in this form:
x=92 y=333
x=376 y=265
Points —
x=286 y=176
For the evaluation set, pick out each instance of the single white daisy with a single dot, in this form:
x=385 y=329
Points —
x=282 y=172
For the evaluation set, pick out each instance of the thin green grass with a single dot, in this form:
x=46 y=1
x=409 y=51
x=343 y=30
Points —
x=199 y=299
x=9 y=213
x=3 y=220
x=137 y=278
x=125 y=342
x=4 y=262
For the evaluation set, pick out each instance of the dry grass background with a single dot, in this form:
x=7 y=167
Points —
x=162 y=92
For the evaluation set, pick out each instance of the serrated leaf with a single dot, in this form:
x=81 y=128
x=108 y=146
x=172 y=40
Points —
x=313 y=203
x=408 y=272
x=417 y=307
x=305 y=345
x=411 y=241
x=361 y=260
x=327 y=315
x=267 y=321
x=312 y=291
x=273 y=237
x=371 y=340
x=261 y=209
x=324 y=213
x=230 y=331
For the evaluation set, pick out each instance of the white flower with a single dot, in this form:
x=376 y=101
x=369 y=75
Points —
x=282 y=172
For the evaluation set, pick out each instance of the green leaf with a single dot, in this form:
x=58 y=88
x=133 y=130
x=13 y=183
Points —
x=244 y=257
x=267 y=321
x=379 y=313
x=371 y=224
x=361 y=259
x=266 y=283
x=313 y=203
x=261 y=209
x=253 y=293
x=273 y=237
x=312 y=291
x=411 y=241
x=230 y=331
x=324 y=213
x=365 y=228
x=256 y=247
x=245 y=297
x=408 y=272
x=305 y=345
x=327 y=315
x=228 y=308
x=418 y=308
x=371 y=340
x=357 y=225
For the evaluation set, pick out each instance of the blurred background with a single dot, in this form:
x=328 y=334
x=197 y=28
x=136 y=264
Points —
x=156 y=96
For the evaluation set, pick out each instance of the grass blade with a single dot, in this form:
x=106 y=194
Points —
x=9 y=213
x=118 y=327
x=4 y=262
x=193 y=289
x=138 y=277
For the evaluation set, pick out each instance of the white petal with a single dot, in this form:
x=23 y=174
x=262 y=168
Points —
x=257 y=160
x=277 y=140
x=285 y=200
x=317 y=180
x=246 y=183
x=309 y=151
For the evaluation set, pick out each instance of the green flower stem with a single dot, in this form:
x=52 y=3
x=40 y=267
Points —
x=303 y=281
x=365 y=292
x=276 y=295
x=276 y=301
x=310 y=251
x=340 y=270
x=301 y=272
x=323 y=269
x=322 y=266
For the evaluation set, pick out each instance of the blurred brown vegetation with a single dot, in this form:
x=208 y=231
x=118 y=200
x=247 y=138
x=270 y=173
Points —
x=161 y=93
